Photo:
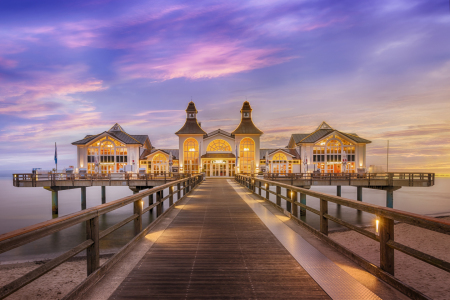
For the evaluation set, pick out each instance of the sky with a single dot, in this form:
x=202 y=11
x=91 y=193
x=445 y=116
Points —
x=377 y=68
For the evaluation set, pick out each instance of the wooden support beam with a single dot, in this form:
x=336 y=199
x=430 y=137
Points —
x=178 y=191
x=323 y=219
x=171 y=195
x=302 y=201
x=83 y=197
x=386 y=228
x=103 y=194
x=137 y=210
x=288 y=204
x=93 y=251
x=159 y=206
x=294 y=206
x=278 y=195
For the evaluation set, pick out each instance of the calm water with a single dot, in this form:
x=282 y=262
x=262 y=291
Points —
x=20 y=207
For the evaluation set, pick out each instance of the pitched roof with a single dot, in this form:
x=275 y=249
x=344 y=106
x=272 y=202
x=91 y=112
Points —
x=299 y=136
x=191 y=107
x=321 y=133
x=324 y=125
x=292 y=152
x=118 y=133
x=175 y=153
x=246 y=126
x=218 y=131
x=191 y=126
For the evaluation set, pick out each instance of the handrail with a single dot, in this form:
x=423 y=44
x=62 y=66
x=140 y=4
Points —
x=19 y=237
x=429 y=178
x=386 y=216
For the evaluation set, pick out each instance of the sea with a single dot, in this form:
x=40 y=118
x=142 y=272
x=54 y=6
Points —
x=20 y=207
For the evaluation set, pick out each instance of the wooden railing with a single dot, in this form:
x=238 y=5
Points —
x=411 y=177
x=20 y=237
x=385 y=217
x=53 y=177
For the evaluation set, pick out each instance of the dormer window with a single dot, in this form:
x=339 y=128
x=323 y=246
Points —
x=246 y=115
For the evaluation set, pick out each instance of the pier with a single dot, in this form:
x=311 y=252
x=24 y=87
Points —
x=55 y=182
x=218 y=239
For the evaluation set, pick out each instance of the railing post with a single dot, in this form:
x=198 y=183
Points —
x=93 y=251
x=278 y=195
x=137 y=209
x=159 y=206
x=288 y=204
x=323 y=220
x=171 y=195
x=259 y=188
x=267 y=190
x=386 y=252
x=294 y=206
x=178 y=191
x=302 y=201
x=184 y=188
x=150 y=201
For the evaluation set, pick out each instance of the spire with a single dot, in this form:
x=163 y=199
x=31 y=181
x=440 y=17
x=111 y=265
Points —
x=246 y=126
x=191 y=126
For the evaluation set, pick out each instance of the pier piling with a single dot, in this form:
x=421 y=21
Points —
x=359 y=193
x=390 y=198
x=54 y=202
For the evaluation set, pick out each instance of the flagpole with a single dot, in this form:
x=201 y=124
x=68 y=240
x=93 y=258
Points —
x=56 y=159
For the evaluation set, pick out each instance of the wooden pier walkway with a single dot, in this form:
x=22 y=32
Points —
x=216 y=248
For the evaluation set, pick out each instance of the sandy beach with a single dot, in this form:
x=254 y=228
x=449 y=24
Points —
x=429 y=280
x=53 y=285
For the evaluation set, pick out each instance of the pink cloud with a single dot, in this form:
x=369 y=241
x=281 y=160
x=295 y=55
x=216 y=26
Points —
x=203 y=60
x=48 y=92
x=7 y=63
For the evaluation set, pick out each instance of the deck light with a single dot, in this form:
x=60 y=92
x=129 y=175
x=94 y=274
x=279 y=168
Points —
x=142 y=204
x=377 y=222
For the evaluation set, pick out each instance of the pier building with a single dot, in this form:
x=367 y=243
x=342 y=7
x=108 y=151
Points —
x=223 y=154
x=110 y=151
x=329 y=150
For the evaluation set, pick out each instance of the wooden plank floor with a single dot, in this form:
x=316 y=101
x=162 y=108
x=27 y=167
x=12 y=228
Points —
x=218 y=248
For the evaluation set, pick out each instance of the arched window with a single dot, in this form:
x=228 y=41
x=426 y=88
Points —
x=279 y=156
x=190 y=156
x=280 y=163
x=108 y=153
x=159 y=164
x=247 y=155
x=218 y=145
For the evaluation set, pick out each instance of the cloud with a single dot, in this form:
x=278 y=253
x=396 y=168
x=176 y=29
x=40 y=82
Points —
x=49 y=92
x=202 y=60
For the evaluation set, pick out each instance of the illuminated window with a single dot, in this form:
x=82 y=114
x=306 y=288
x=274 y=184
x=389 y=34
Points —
x=159 y=164
x=247 y=155
x=280 y=156
x=218 y=145
x=110 y=154
x=190 y=156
